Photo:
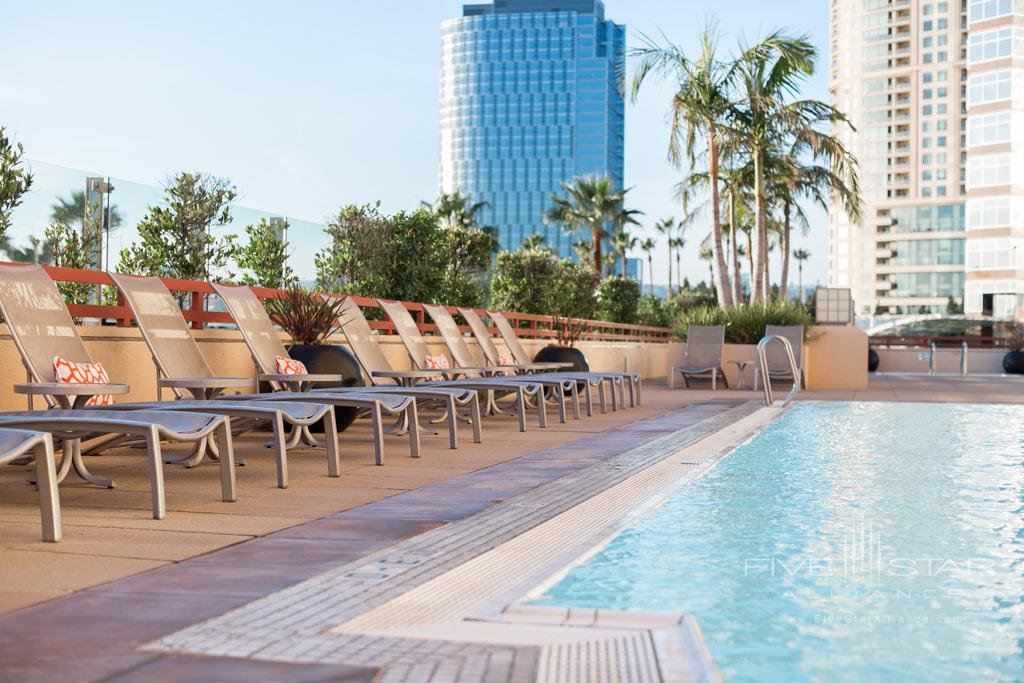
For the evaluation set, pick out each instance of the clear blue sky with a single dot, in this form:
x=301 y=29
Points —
x=310 y=104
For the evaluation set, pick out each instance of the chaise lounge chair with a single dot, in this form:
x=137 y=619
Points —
x=418 y=352
x=703 y=356
x=265 y=346
x=615 y=380
x=17 y=445
x=559 y=388
x=182 y=367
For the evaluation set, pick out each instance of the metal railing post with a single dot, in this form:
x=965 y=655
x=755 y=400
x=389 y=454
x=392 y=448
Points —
x=931 y=361
x=963 y=359
x=766 y=380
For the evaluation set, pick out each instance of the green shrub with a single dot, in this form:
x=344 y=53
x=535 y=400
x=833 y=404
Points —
x=656 y=312
x=689 y=299
x=522 y=281
x=745 y=324
x=618 y=300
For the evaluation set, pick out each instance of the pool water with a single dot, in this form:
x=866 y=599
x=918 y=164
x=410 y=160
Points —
x=846 y=541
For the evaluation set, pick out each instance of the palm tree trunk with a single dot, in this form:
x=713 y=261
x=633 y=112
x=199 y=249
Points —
x=595 y=231
x=761 y=226
x=786 y=227
x=669 y=295
x=624 y=273
x=724 y=290
x=650 y=270
x=750 y=261
x=800 y=280
x=737 y=284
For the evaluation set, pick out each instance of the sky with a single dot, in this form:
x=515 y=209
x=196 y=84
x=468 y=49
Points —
x=309 y=105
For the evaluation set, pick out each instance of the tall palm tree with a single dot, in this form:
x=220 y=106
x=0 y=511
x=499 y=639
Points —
x=700 y=109
x=456 y=209
x=800 y=255
x=829 y=174
x=647 y=246
x=622 y=242
x=677 y=244
x=590 y=202
x=768 y=75
x=666 y=227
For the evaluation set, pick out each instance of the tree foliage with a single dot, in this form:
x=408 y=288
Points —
x=264 y=257
x=66 y=247
x=618 y=299
x=176 y=240
x=408 y=256
x=15 y=180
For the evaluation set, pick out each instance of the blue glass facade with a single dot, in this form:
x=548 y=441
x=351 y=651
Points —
x=530 y=98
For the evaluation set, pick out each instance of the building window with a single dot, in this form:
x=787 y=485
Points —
x=995 y=212
x=989 y=170
x=993 y=86
x=979 y=10
x=988 y=129
x=995 y=44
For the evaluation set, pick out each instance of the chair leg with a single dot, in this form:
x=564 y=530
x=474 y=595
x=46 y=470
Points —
x=414 y=431
x=281 y=450
x=714 y=380
x=49 y=502
x=453 y=422
x=615 y=399
x=521 y=407
x=474 y=414
x=331 y=443
x=601 y=399
x=560 y=397
x=226 y=447
x=589 y=397
x=156 y=473
x=378 y=434
x=574 y=391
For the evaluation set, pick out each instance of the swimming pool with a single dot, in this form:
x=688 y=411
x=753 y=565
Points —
x=846 y=541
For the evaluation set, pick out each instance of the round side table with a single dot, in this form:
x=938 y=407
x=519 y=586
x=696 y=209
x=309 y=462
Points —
x=741 y=368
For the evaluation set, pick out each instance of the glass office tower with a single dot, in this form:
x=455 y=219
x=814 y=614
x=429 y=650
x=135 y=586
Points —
x=530 y=98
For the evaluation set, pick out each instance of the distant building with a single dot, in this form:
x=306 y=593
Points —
x=935 y=90
x=530 y=98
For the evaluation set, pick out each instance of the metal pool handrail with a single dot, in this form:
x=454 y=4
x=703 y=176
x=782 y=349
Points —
x=762 y=361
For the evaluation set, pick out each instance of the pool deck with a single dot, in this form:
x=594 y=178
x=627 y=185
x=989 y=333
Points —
x=92 y=607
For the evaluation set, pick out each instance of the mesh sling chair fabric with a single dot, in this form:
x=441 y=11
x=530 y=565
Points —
x=167 y=335
x=775 y=352
x=55 y=332
x=265 y=346
x=417 y=349
x=703 y=356
x=561 y=389
x=16 y=445
x=616 y=380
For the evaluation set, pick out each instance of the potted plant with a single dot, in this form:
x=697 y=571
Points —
x=572 y=300
x=309 y=320
x=1013 y=361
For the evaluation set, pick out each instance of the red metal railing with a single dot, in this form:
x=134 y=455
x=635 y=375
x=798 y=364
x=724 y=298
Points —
x=527 y=326
x=925 y=341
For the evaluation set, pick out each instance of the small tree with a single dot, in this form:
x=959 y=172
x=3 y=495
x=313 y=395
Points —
x=66 y=247
x=264 y=257
x=15 y=180
x=176 y=240
x=618 y=299
x=523 y=280
x=572 y=300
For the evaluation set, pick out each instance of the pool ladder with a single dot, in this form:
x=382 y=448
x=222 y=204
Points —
x=762 y=361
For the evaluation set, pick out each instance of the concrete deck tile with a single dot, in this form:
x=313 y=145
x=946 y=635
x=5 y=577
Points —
x=174 y=669
x=32 y=570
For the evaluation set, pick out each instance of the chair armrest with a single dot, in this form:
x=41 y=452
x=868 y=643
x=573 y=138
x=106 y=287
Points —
x=407 y=374
x=206 y=382
x=301 y=378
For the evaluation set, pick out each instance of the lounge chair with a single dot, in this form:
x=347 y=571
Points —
x=17 y=445
x=703 y=358
x=418 y=352
x=265 y=346
x=616 y=380
x=71 y=426
x=559 y=388
x=775 y=353
x=38 y=347
x=182 y=367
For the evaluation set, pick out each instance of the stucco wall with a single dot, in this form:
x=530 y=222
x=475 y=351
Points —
x=123 y=353
x=979 y=361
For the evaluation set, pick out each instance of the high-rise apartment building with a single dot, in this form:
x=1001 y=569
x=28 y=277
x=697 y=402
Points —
x=899 y=70
x=530 y=98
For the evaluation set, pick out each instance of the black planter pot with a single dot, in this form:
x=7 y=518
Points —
x=1013 y=363
x=563 y=354
x=872 y=360
x=327 y=359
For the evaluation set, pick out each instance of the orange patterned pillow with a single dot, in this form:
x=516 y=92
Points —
x=437 y=363
x=290 y=366
x=70 y=372
x=504 y=359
